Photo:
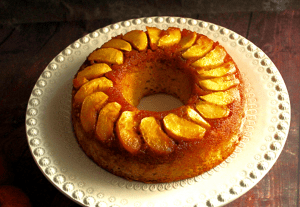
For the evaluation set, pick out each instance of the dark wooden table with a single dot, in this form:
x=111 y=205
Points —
x=28 y=45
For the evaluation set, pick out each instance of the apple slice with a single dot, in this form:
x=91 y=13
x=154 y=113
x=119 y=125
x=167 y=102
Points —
x=212 y=59
x=221 y=98
x=202 y=47
x=117 y=44
x=12 y=196
x=106 y=121
x=154 y=36
x=126 y=129
x=225 y=69
x=172 y=37
x=181 y=129
x=219 y=84
x=155 y=137
x=98 y=84
x=187 y=41
x=107 y=55
x=90 y=72
x=90 y=106
x=137 y=38
x=196 y=117
x=212 y=111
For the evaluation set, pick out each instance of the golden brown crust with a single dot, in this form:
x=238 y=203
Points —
x=154 y=71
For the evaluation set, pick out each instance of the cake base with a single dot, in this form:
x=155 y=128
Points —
x=184 y=163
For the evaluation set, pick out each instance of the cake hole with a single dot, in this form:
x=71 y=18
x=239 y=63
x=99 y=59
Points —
x=159 y=102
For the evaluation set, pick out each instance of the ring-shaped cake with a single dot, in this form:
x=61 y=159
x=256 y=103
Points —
x=155 y=147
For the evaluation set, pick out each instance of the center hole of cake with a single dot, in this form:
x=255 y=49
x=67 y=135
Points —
x=155 y=82
x=159 y=102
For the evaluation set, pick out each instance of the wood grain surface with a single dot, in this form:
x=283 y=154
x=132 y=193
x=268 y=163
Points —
x=26 y=48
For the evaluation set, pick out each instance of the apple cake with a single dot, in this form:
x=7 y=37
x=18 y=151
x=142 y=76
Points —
x=149 y=146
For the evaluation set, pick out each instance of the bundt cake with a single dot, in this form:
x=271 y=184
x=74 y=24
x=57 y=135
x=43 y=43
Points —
x=149 y=146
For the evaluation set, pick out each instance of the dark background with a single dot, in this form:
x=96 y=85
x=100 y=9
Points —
x=33 y=32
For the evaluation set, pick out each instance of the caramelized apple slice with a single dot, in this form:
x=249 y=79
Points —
x=181 y=129
x=221 y=98
x=219 y=84
x=212 y=59
x=153 y=34
x=106 y=121
x=155 y=137
x=212 y=111
x=107 y=55
x=196 y=117
x=127 y=132
x=225 y=69
x=172 y=37
x=202 y=47
x=98 y=84
x=137 y=38
x=90 y=106
x=187 y=41
x=117 y=44
x=90 y=72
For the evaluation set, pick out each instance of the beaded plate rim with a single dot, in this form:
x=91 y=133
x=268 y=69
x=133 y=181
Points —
x=84 y=192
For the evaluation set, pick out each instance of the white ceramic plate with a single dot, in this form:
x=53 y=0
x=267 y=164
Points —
x=56 y=152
